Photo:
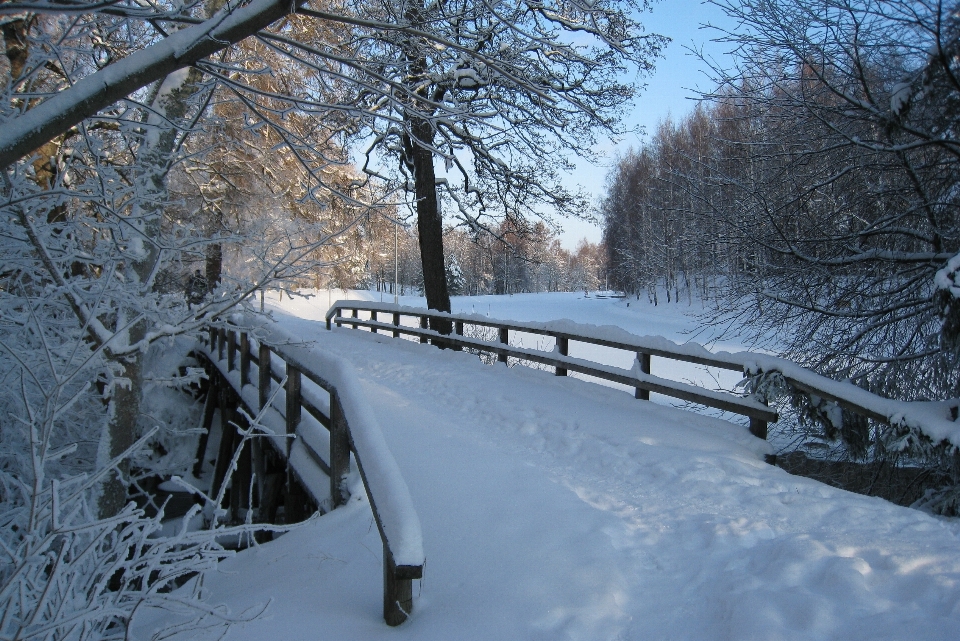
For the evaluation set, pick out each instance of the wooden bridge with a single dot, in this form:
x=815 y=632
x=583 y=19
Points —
x=315 y=420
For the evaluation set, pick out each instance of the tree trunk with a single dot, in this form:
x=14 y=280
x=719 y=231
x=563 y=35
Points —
x=429 y=222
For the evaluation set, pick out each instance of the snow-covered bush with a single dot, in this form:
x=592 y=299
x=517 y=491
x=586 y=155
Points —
x=853 y=437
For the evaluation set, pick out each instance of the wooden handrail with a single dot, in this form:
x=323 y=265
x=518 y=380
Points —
x=388 y=496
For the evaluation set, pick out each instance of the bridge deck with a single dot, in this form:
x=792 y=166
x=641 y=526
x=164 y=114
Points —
x=558 y=509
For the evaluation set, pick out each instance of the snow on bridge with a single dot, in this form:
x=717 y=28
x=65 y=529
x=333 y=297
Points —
x=554 y=508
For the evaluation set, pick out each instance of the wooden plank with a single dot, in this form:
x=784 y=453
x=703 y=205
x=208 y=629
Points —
x=244 y=359
x=339 y=452
x=397 y=592
x=563 y=348
x=209 y=407
x=231 y=350
x=263 y=384
x=226 y=440
x=292 y=414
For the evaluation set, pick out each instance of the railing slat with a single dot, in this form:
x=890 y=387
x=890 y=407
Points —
x=339 y=452
x=644 y=360
x=231 y=350
x=563 y=348
x=263 y=365
x=244 y=359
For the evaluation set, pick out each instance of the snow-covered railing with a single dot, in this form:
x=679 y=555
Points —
x=933 y=420
x=255 y=369
x=640 y=377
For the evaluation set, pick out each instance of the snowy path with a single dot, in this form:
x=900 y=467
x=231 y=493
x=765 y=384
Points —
x=558 y=509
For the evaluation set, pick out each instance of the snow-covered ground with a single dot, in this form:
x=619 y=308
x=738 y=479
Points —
x=554 y=508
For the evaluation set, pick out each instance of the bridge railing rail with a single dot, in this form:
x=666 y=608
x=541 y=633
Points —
x=255 y=370
x=934 y=419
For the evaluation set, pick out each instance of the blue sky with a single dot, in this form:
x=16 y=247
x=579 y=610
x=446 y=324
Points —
x=668 y=91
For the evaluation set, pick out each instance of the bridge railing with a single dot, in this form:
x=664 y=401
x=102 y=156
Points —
x=255 y=369
x=640 y=377
x=934 y=420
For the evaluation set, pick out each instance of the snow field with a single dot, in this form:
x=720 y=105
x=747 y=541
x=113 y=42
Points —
x=553 y=508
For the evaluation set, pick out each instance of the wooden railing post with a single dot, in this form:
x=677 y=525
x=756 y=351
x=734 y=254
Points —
x=221 y=342
x=292 y=390
x=244 y=359
x=213 y=340
x=563 y=346
x=339 y=451
x=758 y=428
x=644 y=359
x=423 y=325
x=339 y=311
x=231 y=350
x=294 y=500
x=505 y=339
x=356 y=314
x=226 y=438
x=458 y=330
x=263 y=384
x=373 y=317
x=397 y=593
x=336 y=312
x=396 y=323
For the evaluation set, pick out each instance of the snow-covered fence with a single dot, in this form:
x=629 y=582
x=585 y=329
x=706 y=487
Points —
x=768 y=376
x=321 y=391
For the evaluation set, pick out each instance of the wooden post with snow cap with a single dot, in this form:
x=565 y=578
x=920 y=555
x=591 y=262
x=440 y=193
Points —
x=396 y=323
x=397 y=592
x=644 y=360
x=373 y=317
x=505 y=339
x=423 y=325
x=563 y=347
x=356 y=314
x=221 y=342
